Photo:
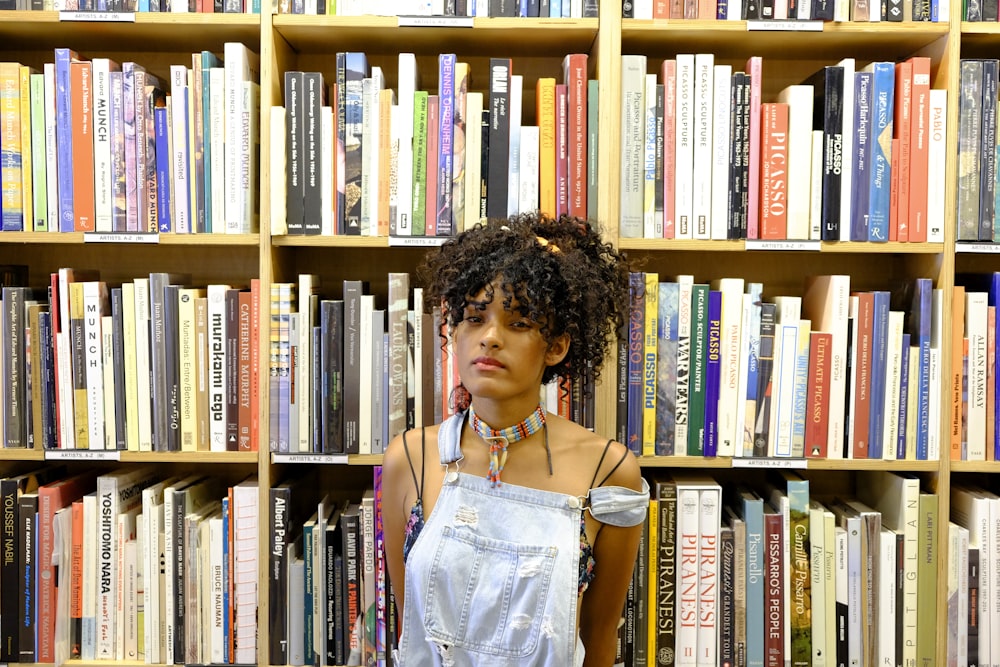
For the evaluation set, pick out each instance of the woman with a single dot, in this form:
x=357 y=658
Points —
x=510 y=532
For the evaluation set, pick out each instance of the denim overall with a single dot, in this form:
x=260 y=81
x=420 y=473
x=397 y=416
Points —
x=492 y=579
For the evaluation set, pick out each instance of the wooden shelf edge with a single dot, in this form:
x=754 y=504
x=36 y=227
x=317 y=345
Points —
x=975 y=466
x=189 y=457
x=651 y=462
x=837 y=247
x=19 y=454
x=77 y=238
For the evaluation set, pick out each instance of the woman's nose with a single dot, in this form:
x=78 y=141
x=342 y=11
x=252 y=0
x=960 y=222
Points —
x=491 y=336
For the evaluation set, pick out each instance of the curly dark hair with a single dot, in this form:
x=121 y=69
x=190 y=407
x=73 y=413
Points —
x=561 y=273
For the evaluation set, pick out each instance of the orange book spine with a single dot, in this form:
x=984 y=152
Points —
x=896 y=222
x=545 y=113
x=27 y=203
x=773 y=170
x=11 y=151
x=76 y=582
x=83 y=146
x=818 y=388
x=255 y=344
x=957 y=333
x=385 y=159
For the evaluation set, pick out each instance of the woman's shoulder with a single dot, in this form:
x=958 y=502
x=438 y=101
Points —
x=410 y=447
x=610 y=462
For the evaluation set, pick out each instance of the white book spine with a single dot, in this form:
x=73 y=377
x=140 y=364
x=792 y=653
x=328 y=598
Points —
x=216 y=602
x=800 y=116
x=730 y=428
x=631 y=183
x=107 y=566
x=88 y=648
x=887 y=598
x=217 y=140
x=326 y=185
x=708 y=576
x=817 y=579
x=853 y=380
x=975 y=331
x=684 y=146
x=249 y=147
x=245 y=568
x=403 y=129
x=849 y=148
x=473 y=157
x=179 y=164
x=108 y=382
x=936 y=155
x=365 y=336
x=369 y=179
x=528 y=196
x=816 y=187
x=240 y=65
x=704 y=65
x=94 y=294
x=51 y=170
x=142 y=352
x=746 y=317
x=151 y=566
x=721 y=144
x=785 y=354
x=514 y=156
x=217 y=364
x=688 y=528
x=378 y=84
x=102 y=144
x=649 y=156
x=893 y=374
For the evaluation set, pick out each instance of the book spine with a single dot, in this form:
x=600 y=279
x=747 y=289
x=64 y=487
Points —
x=775 y=565
x=355 y=71
x=697 y=375
x=499 y=137
x=445 y=149
x=295 y=191
x=713 y=373
x=687 y=555
x=773 y=171
x=666 y=360
x=636 y=362
x=27 y=510
x=64 y=138
x=278 y=579
x=860 y=164
x=666 y=570
x=232 y=404
x=575 y=79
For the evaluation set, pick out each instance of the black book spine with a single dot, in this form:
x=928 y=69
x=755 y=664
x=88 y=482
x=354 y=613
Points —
x=499 y=137
x=180 y=544
x=735 y=156
x=766 y=361
x=353 y=289
x=48 y=383
x=641 y=611
x=745 y=159
x=332 y=593
x=974 y=604
x=278 y=579
x=666 y=570
x=232 y=370
x=313 y=99
x=332 y=322
x=8 y=570
x=118 y=354
x=171 y=294
x=14 y=378
x=832 y=108
x=27 y=508
x=295 y=191
x=658 y=168
x=351 y=533
x=988 y=156
x=484 y=174
x=316 y=400
x=727 y=587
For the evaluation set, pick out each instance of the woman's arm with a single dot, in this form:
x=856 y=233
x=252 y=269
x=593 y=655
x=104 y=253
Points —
x=615 y=551
x=398 y=496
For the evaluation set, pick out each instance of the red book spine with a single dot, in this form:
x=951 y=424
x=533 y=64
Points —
x=82 y=101
x=76 y=583
x=897 y=224
x=818 y=392
x=668 y=78
x=919 y=134
x=773 y=170
x=774 y=565
x=862 y=388
x=562 y=150
x=430 y=219
x=902 y=130
x=575 y=78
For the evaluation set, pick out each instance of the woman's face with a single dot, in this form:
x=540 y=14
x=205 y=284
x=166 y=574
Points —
x=501 y=352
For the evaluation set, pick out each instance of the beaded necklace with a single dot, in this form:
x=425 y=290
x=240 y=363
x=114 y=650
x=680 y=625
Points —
x=499 y=440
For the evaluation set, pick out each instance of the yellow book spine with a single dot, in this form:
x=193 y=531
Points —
x=649 y=366
x=653 y=541
x=188 y=359
x=545 y=101
x=131 y=378
x=27 y=208
x=10 y=146
x=77 y=345
x=201 y=369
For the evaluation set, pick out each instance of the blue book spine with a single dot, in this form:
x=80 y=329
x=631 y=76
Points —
x=666 y=368
x=555 y=9
x=208 y=61
x=800 y=398
x=48 y=401
x=162 y=169
x=635 y=362
x=862 y=155
x=64 y=138
x=753 y=515
x=307 y=558
x=118 y=193
x=920 y=336
x=880 y=343
x=904 y=394
x=880 y=139
x=227 y=628
x=712 y=370
x=446 y=136
x=356 y=69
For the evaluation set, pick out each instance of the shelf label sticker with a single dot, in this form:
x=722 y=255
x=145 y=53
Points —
x=325 y=459
x=98 y=17
x=807 y=246
x=416 y=241
x=121 y=237
x=785 y=26
x=435 y=21
x=784 y=464
x=978 y=248
x=82 y=455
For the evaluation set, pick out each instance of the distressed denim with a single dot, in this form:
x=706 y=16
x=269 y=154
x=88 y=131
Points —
x=492 y=579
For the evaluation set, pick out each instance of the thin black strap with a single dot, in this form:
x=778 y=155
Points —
x=406 y=448
x=607 y=446
x=612 y=472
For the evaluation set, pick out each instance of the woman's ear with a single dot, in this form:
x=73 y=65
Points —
x=557 y=351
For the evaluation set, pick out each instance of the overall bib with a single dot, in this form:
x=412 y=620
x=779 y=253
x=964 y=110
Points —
x=492 y=579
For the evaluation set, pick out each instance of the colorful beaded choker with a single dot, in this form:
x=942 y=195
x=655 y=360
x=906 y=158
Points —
x=499 y=440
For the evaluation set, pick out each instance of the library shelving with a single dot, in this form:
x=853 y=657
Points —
x=537 y=46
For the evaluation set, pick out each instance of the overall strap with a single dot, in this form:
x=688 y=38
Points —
x=450 y=438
